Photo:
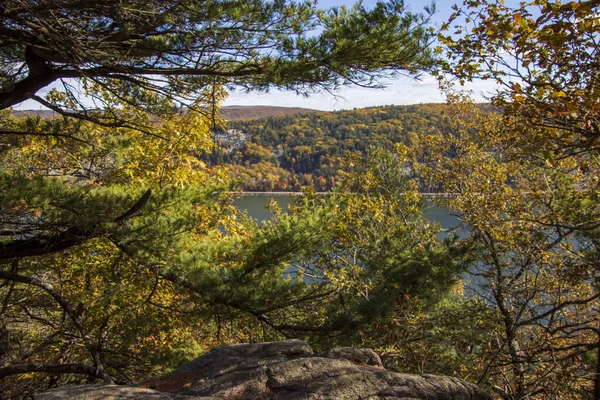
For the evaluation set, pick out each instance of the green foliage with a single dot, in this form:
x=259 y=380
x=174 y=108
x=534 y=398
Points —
x=448 y=338
x=100 y=275
x=378 y=253
x=351 y=261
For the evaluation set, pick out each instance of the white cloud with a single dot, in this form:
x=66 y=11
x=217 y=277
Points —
x=401 y=91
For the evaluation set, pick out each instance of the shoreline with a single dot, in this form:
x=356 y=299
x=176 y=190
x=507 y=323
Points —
x=243 y=194
x=277 y=194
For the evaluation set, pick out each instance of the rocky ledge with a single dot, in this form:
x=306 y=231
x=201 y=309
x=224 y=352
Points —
x=281 y=370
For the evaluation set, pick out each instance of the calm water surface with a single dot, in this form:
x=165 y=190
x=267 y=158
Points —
x=255 y=206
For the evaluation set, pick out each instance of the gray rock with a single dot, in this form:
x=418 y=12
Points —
x=103 y=392
x=361 y=356
x=236 y=371
x=285 y=370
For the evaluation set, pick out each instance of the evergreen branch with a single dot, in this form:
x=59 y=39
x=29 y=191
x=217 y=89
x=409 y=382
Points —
x=49 y=244
x=135 y=208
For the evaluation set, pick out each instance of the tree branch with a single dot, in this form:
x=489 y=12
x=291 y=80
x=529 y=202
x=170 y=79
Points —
x=42 y=245
x=47 y=368
x=74 y=316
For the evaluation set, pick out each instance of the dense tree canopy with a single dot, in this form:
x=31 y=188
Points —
x=114 y=235
x=287 y=153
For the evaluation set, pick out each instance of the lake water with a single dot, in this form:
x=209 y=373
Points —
x=255 y=206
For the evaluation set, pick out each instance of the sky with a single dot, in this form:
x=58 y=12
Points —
x=400 y=91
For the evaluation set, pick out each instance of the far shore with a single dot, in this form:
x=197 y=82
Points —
x=272 y=193
x=321 y=193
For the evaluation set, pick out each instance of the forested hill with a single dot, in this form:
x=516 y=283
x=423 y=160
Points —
x=229 y=113
x=234 y=113
x=288 y=152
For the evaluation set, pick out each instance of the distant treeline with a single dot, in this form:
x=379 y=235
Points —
x=288 y=152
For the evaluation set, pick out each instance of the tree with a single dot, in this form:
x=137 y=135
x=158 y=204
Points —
x=356 y=260
x=85 y=244
x=533 y=227
x=135 y=60
x=109 y=221
x=543 y=55
x=537 y=168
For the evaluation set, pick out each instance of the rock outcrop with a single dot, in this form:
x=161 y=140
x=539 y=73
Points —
x=281 y=370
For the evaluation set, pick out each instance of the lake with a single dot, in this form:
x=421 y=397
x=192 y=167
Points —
x=255 y=206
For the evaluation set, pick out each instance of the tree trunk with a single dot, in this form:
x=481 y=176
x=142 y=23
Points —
x=597 y=377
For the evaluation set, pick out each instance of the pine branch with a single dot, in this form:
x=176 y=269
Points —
x=49 y=244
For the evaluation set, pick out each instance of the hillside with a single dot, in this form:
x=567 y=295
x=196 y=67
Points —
x=288 y=152
x=229 y=113
x=286 y=148
x=236 y=113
